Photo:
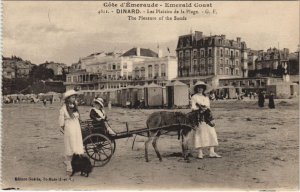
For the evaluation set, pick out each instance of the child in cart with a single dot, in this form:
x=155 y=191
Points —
x=97 y=114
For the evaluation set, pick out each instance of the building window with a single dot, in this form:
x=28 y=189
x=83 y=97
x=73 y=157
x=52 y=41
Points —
x=195 y=62
x=236 y=53
x=195 y=54
x=227 y=71
x=163 y=70
x=69 y=79
x=75 y=79
x=202 y=53
x=143 y=72
x=150 y=71
x=209 y=52
x=221 y=71
x=218 y=52
x=237 y=63
x=125 y=66
x=209 y=70
x=237 y=71
x=221 y=52
x=187 y=54
x=136 y=72
x=180 y=54
x=202 y=61
x=226 y=61
x=156 y=70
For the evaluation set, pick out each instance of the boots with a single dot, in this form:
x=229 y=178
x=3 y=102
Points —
x=213 y=154
x=200 y=154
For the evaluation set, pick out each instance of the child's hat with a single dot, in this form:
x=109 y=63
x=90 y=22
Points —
x=100 y=101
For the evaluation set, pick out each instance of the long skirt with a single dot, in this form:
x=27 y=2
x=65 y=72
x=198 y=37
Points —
x=73 y=137
x=205 y=136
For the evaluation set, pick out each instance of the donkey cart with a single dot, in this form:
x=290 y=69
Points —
x=100 y=146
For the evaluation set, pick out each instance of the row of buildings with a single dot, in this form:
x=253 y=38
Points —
x=15 y=67
x=214 y=59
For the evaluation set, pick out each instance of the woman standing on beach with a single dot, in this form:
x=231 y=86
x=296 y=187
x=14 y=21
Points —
x=69 y=122
x=205 y=135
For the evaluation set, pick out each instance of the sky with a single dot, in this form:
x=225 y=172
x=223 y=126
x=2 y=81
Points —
x=66 y=31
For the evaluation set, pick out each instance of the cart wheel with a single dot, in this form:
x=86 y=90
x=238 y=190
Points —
x=99 y=149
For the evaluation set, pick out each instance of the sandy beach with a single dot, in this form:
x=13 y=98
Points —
x=259 y=148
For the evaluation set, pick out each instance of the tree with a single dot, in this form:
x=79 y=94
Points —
x=41 y=73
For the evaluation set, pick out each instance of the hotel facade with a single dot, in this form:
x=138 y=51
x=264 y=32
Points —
x=116 y=70
x=210 y=58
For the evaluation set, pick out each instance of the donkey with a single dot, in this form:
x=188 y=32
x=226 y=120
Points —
x=181 y=123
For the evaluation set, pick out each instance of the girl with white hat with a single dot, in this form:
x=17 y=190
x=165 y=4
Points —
x=98 y=115
x=69 y=122
x=205 y=134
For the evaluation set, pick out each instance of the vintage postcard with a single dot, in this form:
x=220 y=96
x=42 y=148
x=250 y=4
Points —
x=150 y=95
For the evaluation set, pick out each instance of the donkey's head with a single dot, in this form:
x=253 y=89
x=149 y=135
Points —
x=196 y=117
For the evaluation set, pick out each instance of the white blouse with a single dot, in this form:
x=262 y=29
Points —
x=64 y=115
x=200 y=100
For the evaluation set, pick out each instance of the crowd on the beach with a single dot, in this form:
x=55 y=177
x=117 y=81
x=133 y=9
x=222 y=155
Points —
x=32 y=98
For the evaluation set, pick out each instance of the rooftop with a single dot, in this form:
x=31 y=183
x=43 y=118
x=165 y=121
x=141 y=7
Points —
x=143 y=53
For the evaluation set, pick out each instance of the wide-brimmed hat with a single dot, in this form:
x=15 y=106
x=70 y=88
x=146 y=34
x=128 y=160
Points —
x=100 y=101
x=69 y=93
x=205 y=86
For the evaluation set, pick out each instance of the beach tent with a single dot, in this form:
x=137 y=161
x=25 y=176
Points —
x=283 y=90
x=226 y=92
x=153 y=95
x=119 y=97
x=112 y=96
x=140 y=92
x=132 y=95
x=294 y=89
x=164 y=92
x=177 y=94
x=56 y=97
x=89 y=97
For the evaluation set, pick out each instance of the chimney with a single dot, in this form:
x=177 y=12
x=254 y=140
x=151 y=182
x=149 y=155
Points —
x=238 y=39
x=138 y=51
x=160 y=54
x=223 y=36
x=198 y=35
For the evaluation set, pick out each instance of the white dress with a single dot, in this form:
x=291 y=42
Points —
x=205 y=135
x=72 y=132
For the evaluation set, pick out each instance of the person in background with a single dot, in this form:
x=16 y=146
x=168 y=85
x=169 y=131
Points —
x=205 y=135
x=271 y=101
x=45 y=102
x=69 y=123
x=98 y=115
x=261 y=99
